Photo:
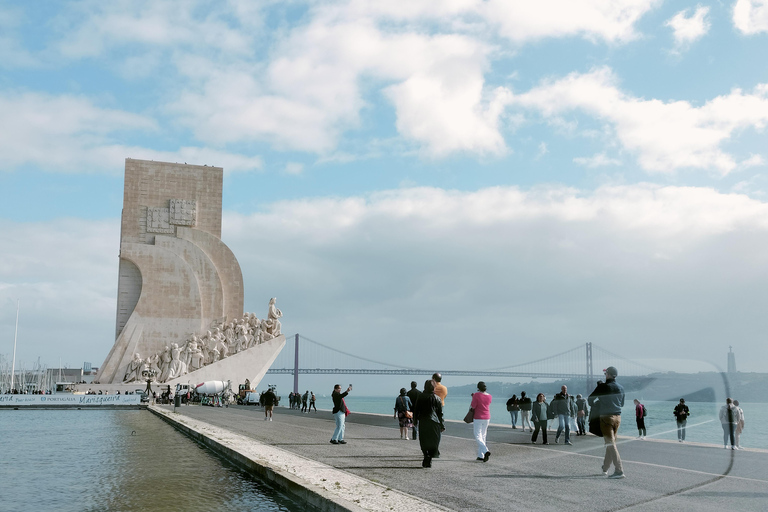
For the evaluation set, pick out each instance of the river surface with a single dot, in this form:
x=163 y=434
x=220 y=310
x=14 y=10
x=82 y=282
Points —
x=82 y=460
x=703 y=423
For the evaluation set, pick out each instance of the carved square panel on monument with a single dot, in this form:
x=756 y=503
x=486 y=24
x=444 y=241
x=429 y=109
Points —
x=183 y=212
x=158 y=221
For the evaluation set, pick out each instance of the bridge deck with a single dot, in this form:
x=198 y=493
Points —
x=661 y=475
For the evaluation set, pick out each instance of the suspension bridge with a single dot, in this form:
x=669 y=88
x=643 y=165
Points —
x=312 y=357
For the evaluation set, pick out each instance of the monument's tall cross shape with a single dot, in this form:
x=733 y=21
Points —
x=176 y=275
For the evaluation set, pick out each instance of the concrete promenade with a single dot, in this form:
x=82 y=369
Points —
x=376 y=470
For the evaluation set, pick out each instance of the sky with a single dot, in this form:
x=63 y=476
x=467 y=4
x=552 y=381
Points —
x=449 y=184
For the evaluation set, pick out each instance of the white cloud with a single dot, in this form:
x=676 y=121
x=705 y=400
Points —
x=545 y=267
x=92 y=27
x=598 y=160
x=71 y=134
x=294 y=168
x=612 y=22
x=688 y=29
x=63 y=272
x=542 y=266
x=666 y=136
x=751 y=16
x=429 y=57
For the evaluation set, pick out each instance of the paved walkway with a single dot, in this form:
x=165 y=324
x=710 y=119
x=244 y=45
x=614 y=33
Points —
x=661 y=475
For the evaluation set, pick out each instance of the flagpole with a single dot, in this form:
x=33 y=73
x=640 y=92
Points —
x=15 y=335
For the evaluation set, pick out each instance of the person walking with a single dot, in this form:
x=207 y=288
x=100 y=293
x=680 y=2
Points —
x=561 y=406
x=481 y=403
x=269 y=403
x=539 y=418
x=513 y=406
x=339 y=413
x=739 y=425
x=729 y=418
x=413 y=395
x=573 y=410
x=582 y=413
x=429 y=412
x=312 y=401
x=525 y=411
x=681 y=413
x=640 y=419
x=440 y=390
x=608 y=397
x=403 y=413
x=304 y=400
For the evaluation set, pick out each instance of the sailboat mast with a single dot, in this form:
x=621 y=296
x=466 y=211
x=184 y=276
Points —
x=15 y=335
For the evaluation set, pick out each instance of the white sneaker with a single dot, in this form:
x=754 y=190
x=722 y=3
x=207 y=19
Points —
x=270 y=419
x=265 y=418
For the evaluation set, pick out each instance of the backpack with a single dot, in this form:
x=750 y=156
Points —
x=645 y=411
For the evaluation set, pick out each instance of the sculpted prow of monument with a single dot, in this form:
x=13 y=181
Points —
x=178 y=280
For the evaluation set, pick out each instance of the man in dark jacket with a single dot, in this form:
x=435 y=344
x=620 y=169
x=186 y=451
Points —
x=608 y=397
x=562 y=407
x=681 y=413
x=414 y=395
x=269 y=399
x=339 y=413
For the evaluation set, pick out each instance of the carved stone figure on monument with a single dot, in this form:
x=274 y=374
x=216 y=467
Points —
x=132 y=372
x=229 y=332
x=177 y=367
x=222 y=347
x=196 y=360
x=165 y=364
x=154 y=365
x=186 y=350
x=243 y=338
x=265 y=335
x=273 y=324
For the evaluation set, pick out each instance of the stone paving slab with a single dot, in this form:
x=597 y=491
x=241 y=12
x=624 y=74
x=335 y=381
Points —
x=661 y=475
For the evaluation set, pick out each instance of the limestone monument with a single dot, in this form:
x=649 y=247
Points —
x=180 y=288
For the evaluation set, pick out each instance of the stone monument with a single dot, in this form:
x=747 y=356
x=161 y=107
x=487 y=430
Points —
x=178 y=280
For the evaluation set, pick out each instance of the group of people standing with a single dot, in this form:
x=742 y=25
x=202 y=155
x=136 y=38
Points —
x=731 y=419
x=305 y=402
x=572 y=413
x=422 y=413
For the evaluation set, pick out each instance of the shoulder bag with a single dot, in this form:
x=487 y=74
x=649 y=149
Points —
x=470 y=417
x=408 y=414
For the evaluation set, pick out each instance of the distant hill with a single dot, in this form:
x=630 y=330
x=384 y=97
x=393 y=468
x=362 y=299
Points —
x=694 y=387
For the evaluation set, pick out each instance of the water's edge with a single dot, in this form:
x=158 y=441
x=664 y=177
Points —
x=283 y=481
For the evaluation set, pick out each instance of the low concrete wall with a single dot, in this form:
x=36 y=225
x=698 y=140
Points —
x=318 y=499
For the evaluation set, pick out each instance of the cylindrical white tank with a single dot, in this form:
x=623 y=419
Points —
x=211 y=387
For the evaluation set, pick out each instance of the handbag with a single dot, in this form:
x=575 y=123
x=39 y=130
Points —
x=470 y=416
x=408 y=414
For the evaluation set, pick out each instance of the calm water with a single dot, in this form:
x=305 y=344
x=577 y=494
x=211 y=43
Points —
x=120 y=461
x=703 y=424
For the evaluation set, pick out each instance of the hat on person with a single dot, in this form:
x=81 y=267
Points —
x=611 y=370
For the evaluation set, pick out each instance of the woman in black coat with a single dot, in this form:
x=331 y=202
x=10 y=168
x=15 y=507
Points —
x=429 y=411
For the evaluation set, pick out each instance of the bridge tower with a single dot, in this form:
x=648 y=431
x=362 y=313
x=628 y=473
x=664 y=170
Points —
x=296 y=367
x=590 y=376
